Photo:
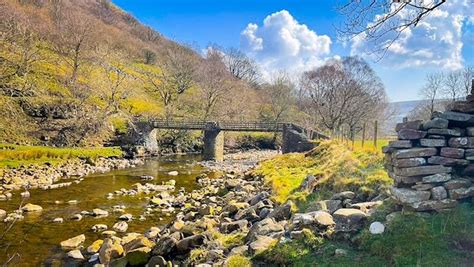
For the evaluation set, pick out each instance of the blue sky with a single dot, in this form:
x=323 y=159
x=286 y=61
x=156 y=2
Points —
x=311 y=36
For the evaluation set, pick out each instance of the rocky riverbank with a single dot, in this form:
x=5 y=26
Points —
x=224 y=218
x=239 y=162
x=49 y=176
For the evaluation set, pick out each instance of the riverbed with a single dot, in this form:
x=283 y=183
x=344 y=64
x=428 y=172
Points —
x=35 y=240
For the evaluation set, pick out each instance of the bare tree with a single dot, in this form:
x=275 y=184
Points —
x=214 y=82
x=278 y=99
x=432 y=90
x=345 y=92
x=241 y=66
x=173 y=78
x=467 y=74
x=453 y=87
x=382 y=20
x=74 y=38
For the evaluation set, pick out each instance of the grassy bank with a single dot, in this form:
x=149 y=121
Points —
x=337 y=168
x=410 y=239
x=443 y=239
x=13 y=156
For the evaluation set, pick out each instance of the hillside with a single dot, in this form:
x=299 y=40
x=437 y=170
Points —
x=78 y=72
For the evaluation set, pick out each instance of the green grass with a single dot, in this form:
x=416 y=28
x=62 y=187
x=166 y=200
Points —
x=336 y=166
x=409 y=240
x=13 y=156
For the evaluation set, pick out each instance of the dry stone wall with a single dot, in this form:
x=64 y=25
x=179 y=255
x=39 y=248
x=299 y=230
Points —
x=432 y=162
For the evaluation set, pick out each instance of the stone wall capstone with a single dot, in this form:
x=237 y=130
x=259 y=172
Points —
x=432 y=162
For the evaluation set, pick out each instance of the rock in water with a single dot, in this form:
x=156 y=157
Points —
x=100 y=212
x=3 y=214
x=110 y=250
x=120 y=227
x=31 y=208
x=73 y=243
x=75 y=254
x=376 y=228
x=173 y=173
x=58 y=220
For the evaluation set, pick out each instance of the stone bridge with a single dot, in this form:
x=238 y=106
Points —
x=295 y=138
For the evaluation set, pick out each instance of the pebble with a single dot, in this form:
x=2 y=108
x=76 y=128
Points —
x=58 y=220
x=75 y=254
x=376 y=228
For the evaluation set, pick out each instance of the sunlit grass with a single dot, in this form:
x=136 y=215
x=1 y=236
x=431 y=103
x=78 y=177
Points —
x=335 y=165
x=16 y=155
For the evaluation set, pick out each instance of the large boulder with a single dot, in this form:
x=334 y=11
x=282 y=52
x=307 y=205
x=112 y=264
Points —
x=138 y=242
x=110 y=250
x=73 y=243
x=165 y=246
x=348 y=220
x=138 y=256
x=261 y=243
x=282 y=212
x=187 y=244
x=265 y=227
x=229 y=227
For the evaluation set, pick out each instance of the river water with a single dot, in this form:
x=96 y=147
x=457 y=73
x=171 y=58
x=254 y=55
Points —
x=34 y=241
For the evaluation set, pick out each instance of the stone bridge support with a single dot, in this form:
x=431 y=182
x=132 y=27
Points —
x=295 y=139
x=145 y=139
x=213 y=145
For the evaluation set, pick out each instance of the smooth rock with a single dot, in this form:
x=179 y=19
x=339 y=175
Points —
x=326 y=205
x=376 y=228
x=438 y=193
x=3 y=214
x=120 y=227
x=73 y=243
x=55 y=220
x=75 y=254
x=100 y=212
x=343 y=195
x=99 y=227
x=173 y=173
x=261 y=244
x=31 y=208
x=110 y=250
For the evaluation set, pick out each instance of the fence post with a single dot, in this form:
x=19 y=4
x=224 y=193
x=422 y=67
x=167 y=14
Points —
x=363 y=136
x=375 y=134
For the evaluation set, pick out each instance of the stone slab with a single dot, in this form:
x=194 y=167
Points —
x=410 y=134
x=405 y=195
x=445 y=132
x=458 y=117
x=437 y=205
x=469 y=154
x=422 y=170
x=413 y=125
x=437 y=123
x=433 y=142
x=400 y=144
x=437 y=178
x=415 y=153
x=447 y=161
x=461 y=142
x=451 y=152
x=410 y=162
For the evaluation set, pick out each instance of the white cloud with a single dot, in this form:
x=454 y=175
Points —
x=282 y=43
x=435 y=42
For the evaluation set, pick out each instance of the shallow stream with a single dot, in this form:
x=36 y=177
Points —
x=34 y=241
